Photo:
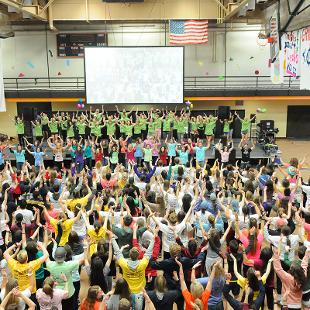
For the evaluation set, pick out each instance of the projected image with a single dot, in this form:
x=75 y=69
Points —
x=134 y=75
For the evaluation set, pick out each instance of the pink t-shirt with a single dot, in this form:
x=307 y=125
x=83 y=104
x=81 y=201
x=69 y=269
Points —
x=245 y=241
x=46 y=302
x=53 y=213
x=131 y=154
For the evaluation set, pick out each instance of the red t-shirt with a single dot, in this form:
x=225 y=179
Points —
x=98 y=157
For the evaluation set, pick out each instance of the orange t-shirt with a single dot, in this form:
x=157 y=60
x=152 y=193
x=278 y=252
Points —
x=189 y=299
x=96 y=305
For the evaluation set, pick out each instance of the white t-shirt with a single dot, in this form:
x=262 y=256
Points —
x=168 y=234
x=27 y=215
x=306 y=190
x=21 y=304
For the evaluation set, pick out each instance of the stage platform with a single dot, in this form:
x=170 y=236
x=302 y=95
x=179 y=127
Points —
x=257 y=154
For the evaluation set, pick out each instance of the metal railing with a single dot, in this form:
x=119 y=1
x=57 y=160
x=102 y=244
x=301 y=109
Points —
x=191 y=83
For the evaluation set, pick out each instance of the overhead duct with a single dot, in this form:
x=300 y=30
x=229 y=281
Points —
x=242 y=12
x=251 y=6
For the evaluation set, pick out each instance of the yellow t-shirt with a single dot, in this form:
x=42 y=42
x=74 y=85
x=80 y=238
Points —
x=243 y=281
x=134 y=277
x=95 y=237
x=71 y=203
x=20 y=272
x=66 y=229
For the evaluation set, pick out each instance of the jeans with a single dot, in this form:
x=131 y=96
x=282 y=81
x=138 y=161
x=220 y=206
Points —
x=19 y=166
x=137 y=301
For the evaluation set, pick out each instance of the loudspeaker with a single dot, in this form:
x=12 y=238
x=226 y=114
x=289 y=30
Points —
x=223 y=112
x=266 y=124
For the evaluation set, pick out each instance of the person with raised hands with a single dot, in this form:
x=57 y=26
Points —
x=134 y=270
x=292 y=280
x=20 y=266
x=252 y=277
x=50 y=296
x=249 y=301
x=197 y=297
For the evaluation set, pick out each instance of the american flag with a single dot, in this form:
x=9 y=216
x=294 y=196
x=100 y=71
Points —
x=188 y=32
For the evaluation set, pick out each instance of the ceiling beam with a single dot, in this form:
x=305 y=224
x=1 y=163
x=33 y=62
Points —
x=292 y=15
x=47 y=5
x=32 y=10
x=236 y=10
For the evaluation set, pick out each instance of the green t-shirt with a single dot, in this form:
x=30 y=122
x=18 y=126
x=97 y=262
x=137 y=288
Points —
x=209 y=128
x=166 y=125
x=63 y=124
x=124 y=116
x=122 y=128
x=20 y=128
x=194 y=126
x=56 y=269
x=151 y=128
x=110 y=128
x=93 y=129
x=226 y=127
x=114 y=158
x=137 y=128
x=180 y=127
x=147 y=155
x=81 y=128
x=128 y=130
x=53 y=127
x=245 y=125
x=44 y=120
x=143 y=122
x=97 y=130
x=157 y=123
x=38 y=130
x=70 y=132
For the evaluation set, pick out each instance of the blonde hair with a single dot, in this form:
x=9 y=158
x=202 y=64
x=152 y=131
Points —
x=174 y=249
x=196 y=289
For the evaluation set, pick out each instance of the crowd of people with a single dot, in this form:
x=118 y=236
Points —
x=143 y=220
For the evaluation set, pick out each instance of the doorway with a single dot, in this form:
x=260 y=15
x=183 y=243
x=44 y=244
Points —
x=298 y=120
x=29 y=111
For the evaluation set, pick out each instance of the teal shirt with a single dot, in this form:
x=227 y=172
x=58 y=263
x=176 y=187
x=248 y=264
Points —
x=88 y=152
x=200 y=153
x=183 y=157
x=20 y=157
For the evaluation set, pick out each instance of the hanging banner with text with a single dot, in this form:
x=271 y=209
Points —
x=290 y=42
x=2 y=99
x=305 y=58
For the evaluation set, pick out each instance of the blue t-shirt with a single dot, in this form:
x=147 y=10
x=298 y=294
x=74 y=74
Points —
x=1 y=159
x=216 y=291
x=183 y=157
x=139 y=151
x=20 y=157
x=38 y=158
x=172 y=149
x=200 y=153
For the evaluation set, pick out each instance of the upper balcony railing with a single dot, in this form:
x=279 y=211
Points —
x=192 y=84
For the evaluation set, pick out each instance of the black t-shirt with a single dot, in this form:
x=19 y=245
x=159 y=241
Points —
x=166 y=301
x=230 y=263
x=246 y=154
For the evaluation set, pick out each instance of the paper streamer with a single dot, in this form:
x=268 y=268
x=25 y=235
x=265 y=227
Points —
x=30 y=65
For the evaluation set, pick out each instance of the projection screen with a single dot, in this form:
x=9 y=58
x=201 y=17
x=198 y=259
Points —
x=134 y=75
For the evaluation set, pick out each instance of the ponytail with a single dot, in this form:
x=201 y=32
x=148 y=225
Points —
x=48 y=286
